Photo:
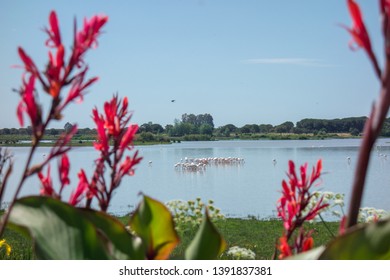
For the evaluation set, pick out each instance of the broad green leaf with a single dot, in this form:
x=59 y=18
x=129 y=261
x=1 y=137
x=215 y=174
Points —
x=365 y=242
x=61 y=231
x=125 y=246
x=207 y=244
x=58 y=230
x=153 y=223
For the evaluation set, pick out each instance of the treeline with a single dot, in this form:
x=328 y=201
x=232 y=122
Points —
x=48 y=132
x=202 y=128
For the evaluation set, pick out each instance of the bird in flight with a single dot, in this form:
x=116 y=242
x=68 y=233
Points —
x=173 y=100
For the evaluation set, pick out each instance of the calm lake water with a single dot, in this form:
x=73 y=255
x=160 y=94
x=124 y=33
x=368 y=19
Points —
x=252 y=188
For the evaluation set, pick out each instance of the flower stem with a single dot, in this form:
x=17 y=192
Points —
x=326 y=226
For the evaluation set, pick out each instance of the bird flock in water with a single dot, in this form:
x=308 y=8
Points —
x=200 y=164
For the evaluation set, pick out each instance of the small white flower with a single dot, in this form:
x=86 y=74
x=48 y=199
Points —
x=339 y=202
x=239 y=253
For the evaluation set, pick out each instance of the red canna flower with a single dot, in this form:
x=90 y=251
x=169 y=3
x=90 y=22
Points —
x=358 y=31
x=308 y=244
x=54 y=40
x=112 y=123
x=112 y=127
x=294 y=207
x=102 y=142
x=87 y=37
x=360 y=37
x=54 y=70
x=29 y=64
x=128 y=137
x=47 y=184
x=284 y=248
x=126 y=167
x=78 y=89
x=29 y=105
x=81 y=190
x=63 y=170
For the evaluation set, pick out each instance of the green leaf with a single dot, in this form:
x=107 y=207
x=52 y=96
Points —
x=207 y=244
x=364 y=242
x=61 y=231
x=125 y=246
x=153 y=223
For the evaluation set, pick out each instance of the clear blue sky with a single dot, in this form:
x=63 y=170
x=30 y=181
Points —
x=241 y=61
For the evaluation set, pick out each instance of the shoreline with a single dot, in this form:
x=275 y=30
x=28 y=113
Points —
x=24 y=141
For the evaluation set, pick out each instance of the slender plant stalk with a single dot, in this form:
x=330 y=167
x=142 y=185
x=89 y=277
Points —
x=326 y=226
x=371 y=132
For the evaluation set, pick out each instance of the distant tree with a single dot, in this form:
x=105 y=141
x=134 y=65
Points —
x=146 y=136
x=198 y=120
x=354 y=131
x=204 y=119
x=265 y=128
x=285 y=127
x=29 y=130
x=146 y=127
x=250 y=128
x=226 y=130
x=68 y=127
x=53 y=131
x=157 y=128
x=168 y=129
x=245 y=129
x=22 y=131
x=206 y=129
x=14 y=131
x=6 y=131
x=189 y=118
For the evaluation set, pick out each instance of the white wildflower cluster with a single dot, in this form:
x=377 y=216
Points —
x=369 y=214
x=335 y=200
x=189 y=214
x=238 y=253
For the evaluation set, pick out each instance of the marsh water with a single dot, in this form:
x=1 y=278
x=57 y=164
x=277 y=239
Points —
x=239 y=190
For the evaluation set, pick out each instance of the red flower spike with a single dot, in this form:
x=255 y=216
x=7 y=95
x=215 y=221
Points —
x=28 y=104
x=54 y=71
x=102 y=143
x=29 y=64
x=284 y=248
x=358 y=31
x=308 y=244
x=63 y=170
x=294 y=208
x=54 y=32
x=112 y=123
x=47 y=184
x=77 y=90
x=126 y=168
x=87 y=37
x=128 y=137
x=81 y=190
